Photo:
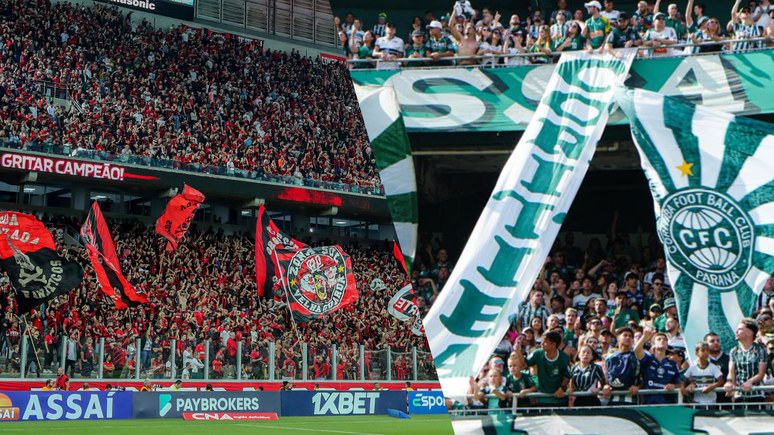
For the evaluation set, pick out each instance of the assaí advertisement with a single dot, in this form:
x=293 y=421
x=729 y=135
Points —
x=62 y=405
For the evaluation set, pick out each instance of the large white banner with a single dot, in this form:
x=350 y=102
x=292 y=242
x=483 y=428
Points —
x=522 y=217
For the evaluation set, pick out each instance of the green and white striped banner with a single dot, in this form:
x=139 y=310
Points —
x=392 y=150
x=712 y=179
x=515 y=231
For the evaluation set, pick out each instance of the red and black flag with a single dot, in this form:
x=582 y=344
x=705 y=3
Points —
x=268 y=238
x=403 y=305
x=399 y=255
x=318 y=280
x=177 y=217
x=102 y=253
x=28 y=254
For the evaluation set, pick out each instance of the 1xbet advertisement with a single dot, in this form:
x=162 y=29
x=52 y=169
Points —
x=312 y=403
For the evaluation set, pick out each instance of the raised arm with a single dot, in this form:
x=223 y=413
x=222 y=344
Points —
x=453 y=29
x=756 y=14
x=734 y=16
x=543 y=283
x=593 y=271
x=352 y=43
x=639 y=347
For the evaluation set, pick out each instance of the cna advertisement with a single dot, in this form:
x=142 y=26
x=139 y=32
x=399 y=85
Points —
x=426 y=402
x=62 y=405
x=313 y=403
x=175 y=405
x=230 y=416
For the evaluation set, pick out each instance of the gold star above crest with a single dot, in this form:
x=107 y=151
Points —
x=686 y=168
x=293 y=282
x=341 y=268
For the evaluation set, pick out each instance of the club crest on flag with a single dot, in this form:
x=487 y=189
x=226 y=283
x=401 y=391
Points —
x=711 y=181
x=708 y=236
x=317 y=278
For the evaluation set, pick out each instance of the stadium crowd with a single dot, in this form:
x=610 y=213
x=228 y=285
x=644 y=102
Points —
x=204 y=295
x=603 y=320
x=172 y=95
x=541 y=33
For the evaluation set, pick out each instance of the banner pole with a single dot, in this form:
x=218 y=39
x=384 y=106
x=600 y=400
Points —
x=287 y=294
x=27 y=327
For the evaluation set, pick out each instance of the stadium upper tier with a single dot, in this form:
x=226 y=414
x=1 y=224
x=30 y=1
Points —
x=88 y=82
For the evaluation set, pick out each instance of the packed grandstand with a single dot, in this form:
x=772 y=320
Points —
x=92 y=81
x=602 y=319
x=204 y=295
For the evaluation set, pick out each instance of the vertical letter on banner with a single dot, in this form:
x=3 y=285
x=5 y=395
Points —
x=523 y=216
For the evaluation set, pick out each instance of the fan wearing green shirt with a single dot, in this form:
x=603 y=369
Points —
x=622 y=313
x=672 y=20
x=643 y=19
x=439 y=46
x=364 y=51
x=670 y=311
x=417 y=50
x=597 y=28
x=519 y=382
x=553 y=369
x=622 y=35
x=573 y=39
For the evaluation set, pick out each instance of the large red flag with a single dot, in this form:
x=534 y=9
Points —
x=318 y=280
x=102 y=253
x=174 y=223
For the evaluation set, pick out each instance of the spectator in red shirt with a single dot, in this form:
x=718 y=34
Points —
x=321 y=368
x=231 y=350
x=217 y=367
x=62 y=381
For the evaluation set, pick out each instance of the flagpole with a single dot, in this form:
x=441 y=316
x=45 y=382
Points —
x=287 y=294
x=27 y=326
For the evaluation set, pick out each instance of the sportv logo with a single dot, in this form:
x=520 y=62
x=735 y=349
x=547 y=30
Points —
x=165 y=404
x=7 y=410
x=428 y=401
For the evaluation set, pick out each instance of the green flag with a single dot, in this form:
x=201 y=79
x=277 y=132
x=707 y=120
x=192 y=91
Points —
x=712 y=183
x=391 y=147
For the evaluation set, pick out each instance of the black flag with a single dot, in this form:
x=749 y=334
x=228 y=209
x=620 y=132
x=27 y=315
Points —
x=28 y=254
